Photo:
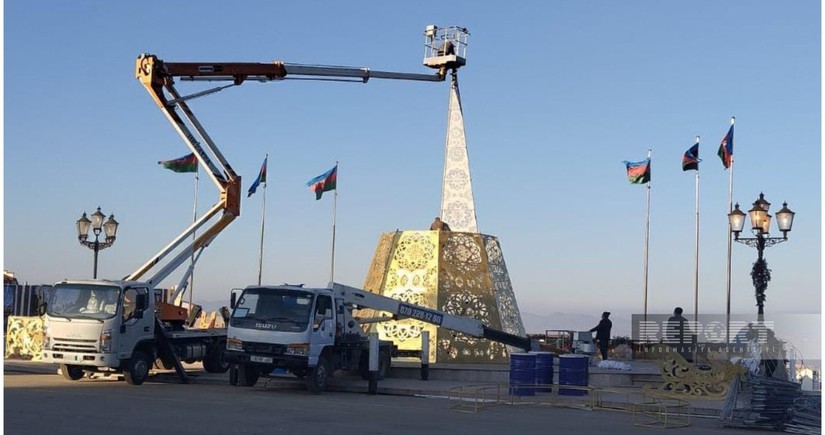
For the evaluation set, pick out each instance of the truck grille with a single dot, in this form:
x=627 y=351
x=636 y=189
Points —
x=272 y=349
x=74 y=345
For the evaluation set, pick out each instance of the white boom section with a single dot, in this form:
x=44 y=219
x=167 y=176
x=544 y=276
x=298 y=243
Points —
x=303 y=71
x=401 y=309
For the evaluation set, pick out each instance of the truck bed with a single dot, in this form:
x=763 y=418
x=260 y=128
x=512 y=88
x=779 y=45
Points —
x=196 y=333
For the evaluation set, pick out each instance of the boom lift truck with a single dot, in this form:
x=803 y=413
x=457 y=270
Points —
x=311 y=332
x=126 y=325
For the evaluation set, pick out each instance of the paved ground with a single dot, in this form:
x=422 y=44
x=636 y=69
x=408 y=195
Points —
x=38 y=402
x=397 y=386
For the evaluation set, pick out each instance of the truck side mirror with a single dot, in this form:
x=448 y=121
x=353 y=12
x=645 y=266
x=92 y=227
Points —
x=141 y=302
x=320 y=317
x=232 y=300
x=41 y=308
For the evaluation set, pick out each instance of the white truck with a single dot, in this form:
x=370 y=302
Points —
x=112 y=326
x=311 y=332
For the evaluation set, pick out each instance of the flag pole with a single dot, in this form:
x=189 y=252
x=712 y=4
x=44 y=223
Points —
x=696 y=246
x=647 y=234
x=192 y=258
x=730 y=241
x=263 y=220
x=334 y=206
x=696 y=254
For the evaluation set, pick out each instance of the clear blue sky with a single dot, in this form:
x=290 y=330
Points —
x=556 y=95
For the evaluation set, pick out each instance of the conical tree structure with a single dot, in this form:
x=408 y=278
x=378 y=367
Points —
x=461 y=272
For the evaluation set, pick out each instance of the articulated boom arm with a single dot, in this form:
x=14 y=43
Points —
x=466 y=325
x=158 y=76
x=158 y=81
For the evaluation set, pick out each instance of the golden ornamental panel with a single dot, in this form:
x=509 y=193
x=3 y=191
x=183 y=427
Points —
x=24 y=337
x=686 y=379
x=380 y=259
x=505 y=297
x=455 y=272
x=410 y=276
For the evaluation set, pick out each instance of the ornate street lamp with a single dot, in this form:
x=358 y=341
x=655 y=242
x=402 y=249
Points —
x=109 y=228
x=760 y=226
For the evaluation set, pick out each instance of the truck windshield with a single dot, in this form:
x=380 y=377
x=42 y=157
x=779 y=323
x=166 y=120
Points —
x=76 y=301
x=274 y=309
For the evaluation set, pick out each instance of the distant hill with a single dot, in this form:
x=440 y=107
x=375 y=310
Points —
x=539 y=323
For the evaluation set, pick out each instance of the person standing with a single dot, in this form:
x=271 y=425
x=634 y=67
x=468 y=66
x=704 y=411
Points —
x=679 y=334
x=602 y=331
x=676 y=327
x=439 y=225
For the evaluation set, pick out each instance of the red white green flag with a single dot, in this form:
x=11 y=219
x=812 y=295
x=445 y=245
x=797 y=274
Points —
x=187 y=163
x=324 y=182
x=638 y=172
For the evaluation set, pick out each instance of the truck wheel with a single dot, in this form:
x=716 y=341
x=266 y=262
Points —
x=137 y=370
x=318 y=376
x=214 y=362
x=71 y=372
x=233 y=375
x=247 y=375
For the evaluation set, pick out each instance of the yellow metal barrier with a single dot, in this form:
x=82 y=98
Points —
x=24 y=337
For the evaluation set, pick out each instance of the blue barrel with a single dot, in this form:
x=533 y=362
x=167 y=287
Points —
x=522 y=374
x=573 y=370
x=544 y=369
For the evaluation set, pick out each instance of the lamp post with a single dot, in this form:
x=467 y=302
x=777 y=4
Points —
x=760 y=226
x=98 y=226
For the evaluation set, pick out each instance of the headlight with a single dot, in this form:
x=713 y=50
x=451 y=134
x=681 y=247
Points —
x=106 y=341
x=234 y=344
x=297 y=349
x=46 y=338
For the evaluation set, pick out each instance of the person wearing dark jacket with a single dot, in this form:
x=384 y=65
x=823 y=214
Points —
x=602 y=331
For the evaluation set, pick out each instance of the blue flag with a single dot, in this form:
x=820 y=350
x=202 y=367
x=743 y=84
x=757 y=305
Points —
x=258 y=180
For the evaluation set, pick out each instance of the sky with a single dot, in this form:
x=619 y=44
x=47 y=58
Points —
x=555 y=94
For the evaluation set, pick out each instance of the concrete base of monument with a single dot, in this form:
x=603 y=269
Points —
x=642 y=372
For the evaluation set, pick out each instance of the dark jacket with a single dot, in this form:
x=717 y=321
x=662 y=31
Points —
x=603 y=330
x=676 y=329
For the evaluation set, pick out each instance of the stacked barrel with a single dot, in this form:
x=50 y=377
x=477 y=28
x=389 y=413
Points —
x=544 y=370
x=531 y=372
x=522 y=374
x=574 y=371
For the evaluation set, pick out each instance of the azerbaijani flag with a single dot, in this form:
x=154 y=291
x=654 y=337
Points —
x=638 y=172
x=261 y=178
x=324 y=182
x=187 y=163
x=726 y=148
x=690 y=161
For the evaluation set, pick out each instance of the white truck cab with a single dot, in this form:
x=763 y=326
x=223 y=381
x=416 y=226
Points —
x=96 y=325
x=113 y=326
